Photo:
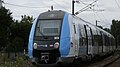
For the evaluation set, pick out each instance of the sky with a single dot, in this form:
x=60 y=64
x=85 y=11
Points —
x=103 y=11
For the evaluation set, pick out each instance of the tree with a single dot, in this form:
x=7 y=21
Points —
x=25 y=24
x=115 y=29
x=5 y=22
x=20 y=32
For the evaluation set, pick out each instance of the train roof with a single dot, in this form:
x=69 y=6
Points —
x=56 y=14
x=97 y=27
x=90 y=24
x=59 y=14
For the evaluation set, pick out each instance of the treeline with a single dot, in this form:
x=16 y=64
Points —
x=115 y=30
x=14 y=34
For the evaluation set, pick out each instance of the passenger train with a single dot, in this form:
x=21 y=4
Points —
x=57 y=37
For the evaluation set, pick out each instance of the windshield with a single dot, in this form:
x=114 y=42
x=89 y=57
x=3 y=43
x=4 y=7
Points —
x=48 y=28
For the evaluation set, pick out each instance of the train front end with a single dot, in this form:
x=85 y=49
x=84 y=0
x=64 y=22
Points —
x=49 y=38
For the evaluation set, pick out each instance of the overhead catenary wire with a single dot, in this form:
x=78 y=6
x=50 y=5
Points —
x=117 y=4
x=103 y=14
x=87 y=7
x=22 y=5
x=84 y=9
x=106 y=20
x=95 y=16
x=81 y=2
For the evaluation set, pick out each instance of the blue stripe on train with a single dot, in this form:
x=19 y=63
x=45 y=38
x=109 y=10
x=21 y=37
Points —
x=65 y=37
x=31 y=37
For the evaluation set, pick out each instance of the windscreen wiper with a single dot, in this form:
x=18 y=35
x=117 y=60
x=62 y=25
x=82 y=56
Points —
x=42 y=34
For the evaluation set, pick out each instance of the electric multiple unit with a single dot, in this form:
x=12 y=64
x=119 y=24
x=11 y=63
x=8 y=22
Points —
x=58 y=36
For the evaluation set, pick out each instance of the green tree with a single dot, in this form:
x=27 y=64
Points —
x=115 y=29
x=25 y=24
x=20 y=32
x=5 y=22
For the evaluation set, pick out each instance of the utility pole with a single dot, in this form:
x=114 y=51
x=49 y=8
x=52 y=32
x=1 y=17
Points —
x=73 y=2
x=97 y=22
x=51 y=7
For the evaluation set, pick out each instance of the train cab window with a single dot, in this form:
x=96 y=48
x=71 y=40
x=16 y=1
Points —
x=48 y=27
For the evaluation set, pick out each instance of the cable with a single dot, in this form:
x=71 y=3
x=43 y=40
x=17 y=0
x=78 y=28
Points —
x=106 y=20
x=87 y=7
x=94 y=13
x=84 y=9
x=103 y=14
x=81 y=2
x=117 y=3
x=22 y=5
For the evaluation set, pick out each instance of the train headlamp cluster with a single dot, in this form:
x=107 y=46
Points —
x=56 y=45
x=35 y=45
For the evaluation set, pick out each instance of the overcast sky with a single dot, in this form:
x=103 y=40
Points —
x=35 y=7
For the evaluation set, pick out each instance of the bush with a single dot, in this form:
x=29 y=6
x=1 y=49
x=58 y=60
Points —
x=17 y=62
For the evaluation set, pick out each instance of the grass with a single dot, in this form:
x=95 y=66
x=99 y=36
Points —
x=16 y=62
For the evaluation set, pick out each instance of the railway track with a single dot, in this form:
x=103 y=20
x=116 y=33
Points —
x=101 y=62
x=105 y=62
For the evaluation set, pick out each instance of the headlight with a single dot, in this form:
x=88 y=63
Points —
x=56 y=45
x=35 y=45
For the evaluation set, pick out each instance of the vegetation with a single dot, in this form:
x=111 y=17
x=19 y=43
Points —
x=115 y=30
x=13 y=33
x=5 y=22
x=13 y=38
x=20 y=33
x=16 y=62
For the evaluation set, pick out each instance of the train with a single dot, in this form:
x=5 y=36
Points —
x=59 y=37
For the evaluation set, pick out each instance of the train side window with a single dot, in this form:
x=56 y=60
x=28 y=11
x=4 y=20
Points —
x=74 y=28
x=106 y=40
x=99 y=38
x=92 y=36
x=82 y=38
x=95 y=37
x=88 y=35
x=94 y=33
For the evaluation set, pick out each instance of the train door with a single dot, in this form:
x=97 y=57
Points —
x=82 y=41
x=102 y=41
x=89 y=39
x=103 y=38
